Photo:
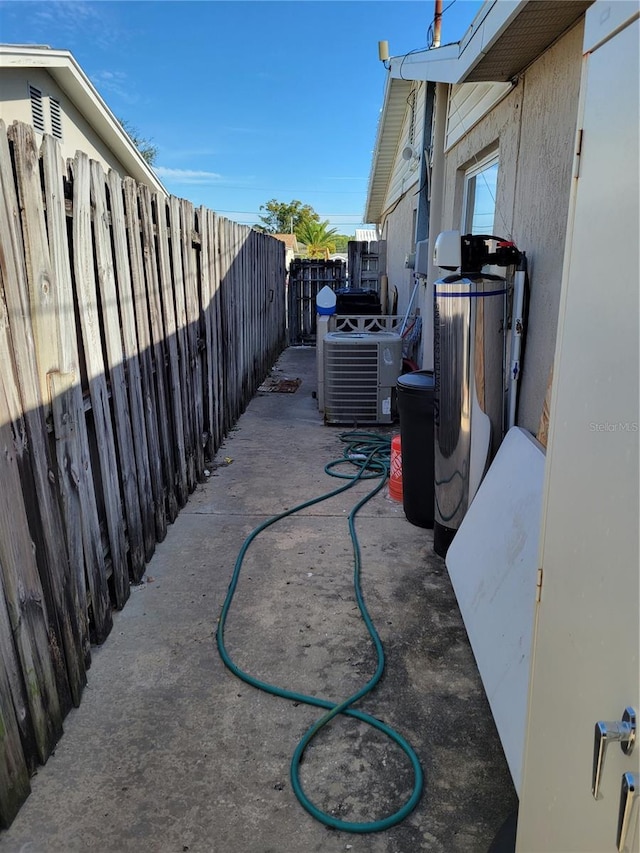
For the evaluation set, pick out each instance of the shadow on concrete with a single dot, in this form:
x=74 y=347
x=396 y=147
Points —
x=169 y=752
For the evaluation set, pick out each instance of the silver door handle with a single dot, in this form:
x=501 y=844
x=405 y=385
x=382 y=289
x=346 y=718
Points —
x=623 y=731
x=628 y=794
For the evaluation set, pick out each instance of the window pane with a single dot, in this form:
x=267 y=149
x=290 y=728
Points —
x=482 y=213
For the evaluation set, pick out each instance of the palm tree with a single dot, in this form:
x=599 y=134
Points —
x=318 y=238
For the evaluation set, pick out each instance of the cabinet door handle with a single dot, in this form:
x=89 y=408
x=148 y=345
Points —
x=623 y=731
x=628 y=794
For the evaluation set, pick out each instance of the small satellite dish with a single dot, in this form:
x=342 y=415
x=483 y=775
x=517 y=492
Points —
x=409 y=153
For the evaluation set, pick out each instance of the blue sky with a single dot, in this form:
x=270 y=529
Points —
x=248 y=100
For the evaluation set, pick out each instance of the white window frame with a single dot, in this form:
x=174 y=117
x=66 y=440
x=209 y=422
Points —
x=468 y=198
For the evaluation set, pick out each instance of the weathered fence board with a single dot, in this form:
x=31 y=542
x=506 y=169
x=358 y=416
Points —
x=183 y=343
x=58 y=239
x=235 y=341
x=206 y=279
x=133 y=331
x=215 y=313
x=106 y=287
x=192 y=303
x=132 y=363
x=145 y=355
x=41 y=289
x=25 y=599
x=87 y=298
x=14 y=690
x=156 y=327
x=366 y=263
x=82 y=525
x=67 y=381
x=50 y=305
x=36 y=467
x=174 y=390
x=14 y=773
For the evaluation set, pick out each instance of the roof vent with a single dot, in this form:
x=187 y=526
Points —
x=37 y=113
x=56 y=118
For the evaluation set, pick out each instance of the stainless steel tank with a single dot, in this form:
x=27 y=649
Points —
x=469 y=320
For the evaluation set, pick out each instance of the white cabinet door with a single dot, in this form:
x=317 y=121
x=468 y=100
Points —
x=585 y=653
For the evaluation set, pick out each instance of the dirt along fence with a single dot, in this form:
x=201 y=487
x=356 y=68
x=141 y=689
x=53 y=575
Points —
x=134 y=328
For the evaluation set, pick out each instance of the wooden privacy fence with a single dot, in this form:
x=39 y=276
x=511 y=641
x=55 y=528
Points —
x=133 y=331
x=307 y=277
x=366 y=263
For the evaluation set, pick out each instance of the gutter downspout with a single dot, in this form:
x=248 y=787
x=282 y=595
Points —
x=435 y=217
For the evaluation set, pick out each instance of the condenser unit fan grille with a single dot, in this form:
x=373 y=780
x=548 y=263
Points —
x=352 y=383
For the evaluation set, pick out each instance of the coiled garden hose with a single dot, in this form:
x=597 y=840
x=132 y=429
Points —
x=369 y=454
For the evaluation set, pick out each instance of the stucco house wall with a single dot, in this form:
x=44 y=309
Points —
x=86 y=121
x=533 y=129
x=398 y=232
x=77 y=134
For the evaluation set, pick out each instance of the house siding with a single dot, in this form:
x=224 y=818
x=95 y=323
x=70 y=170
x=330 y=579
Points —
x=400 y=203
x=533 y=129
x=406 y=173
x=468 y=103
x=77 y=134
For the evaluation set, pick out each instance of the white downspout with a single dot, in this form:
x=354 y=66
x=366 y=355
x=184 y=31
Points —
x=435 y=217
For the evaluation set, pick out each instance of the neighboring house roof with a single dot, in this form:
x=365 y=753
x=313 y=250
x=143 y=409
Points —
x=366 y=235
x=289 y=240
x=504 y=38
x=69 y=76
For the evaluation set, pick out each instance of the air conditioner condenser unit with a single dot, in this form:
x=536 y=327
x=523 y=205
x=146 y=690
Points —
x=360 y=374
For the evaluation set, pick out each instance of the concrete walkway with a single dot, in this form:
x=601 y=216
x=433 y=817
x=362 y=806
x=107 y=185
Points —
x=170 y=753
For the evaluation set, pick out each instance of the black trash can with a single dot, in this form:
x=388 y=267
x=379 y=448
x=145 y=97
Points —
x=415 y=407
x=355 y=300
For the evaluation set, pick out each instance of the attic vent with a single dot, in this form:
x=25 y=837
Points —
x=56 y=118
x=37 y=113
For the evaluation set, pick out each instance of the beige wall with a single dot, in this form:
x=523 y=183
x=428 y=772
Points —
x=534 y=130
x=400 y=203
x=77 y=135
x=398 y=232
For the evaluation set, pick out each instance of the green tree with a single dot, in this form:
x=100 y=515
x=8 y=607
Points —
x=147 y=149
x=341 y=241
x=318 y=238
x=283 y=218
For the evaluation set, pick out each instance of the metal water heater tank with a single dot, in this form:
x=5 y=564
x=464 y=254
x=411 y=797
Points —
x=469 y=318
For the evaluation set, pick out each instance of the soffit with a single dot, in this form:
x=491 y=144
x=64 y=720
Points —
x=537 y=26
x=388 y=138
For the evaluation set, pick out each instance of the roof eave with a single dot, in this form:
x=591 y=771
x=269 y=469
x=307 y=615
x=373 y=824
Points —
x=438 y=65
x=486 y=52
x=386 y=146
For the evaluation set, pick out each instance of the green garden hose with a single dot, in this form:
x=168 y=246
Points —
x=369 y=455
